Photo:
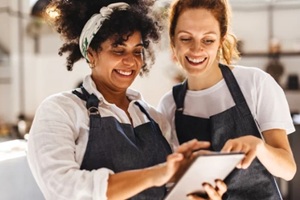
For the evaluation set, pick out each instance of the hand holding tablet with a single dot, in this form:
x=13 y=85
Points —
x=206 y=168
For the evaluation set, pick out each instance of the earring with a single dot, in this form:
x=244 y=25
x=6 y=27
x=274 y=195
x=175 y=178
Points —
x=92 y=65
x=219 y=54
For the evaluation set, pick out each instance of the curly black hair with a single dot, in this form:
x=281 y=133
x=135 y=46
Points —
x=73 y=15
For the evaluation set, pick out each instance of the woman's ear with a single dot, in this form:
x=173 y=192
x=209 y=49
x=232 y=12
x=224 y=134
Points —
x=90 y=55
x=174 y=58
x=91 y=58
x=172 y=45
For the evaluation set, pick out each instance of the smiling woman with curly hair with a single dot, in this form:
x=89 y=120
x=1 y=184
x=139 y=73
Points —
x=74 y=14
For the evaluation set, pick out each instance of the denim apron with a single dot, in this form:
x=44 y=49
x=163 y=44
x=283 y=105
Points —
x=121 y=147
x=254 y=183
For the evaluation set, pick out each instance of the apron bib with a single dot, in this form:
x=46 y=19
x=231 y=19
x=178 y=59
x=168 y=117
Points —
x=254 y=183
x=121 y=147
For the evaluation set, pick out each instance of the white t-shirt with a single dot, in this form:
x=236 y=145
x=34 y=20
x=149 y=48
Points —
x=58 y=139
x=264 y=97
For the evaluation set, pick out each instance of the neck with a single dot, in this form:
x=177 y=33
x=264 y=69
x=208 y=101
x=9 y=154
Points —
x=205 y=80
x=117 y=97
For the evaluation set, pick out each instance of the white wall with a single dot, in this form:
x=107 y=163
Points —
x=9 y=27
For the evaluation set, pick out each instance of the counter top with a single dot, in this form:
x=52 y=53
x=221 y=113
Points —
x=16 y=179
x=12 y=149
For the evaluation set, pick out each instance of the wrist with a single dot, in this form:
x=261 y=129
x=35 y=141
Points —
x=260 y=146
x=157 y=175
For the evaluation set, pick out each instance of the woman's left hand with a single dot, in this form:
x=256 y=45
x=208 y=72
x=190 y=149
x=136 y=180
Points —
x=212 y=193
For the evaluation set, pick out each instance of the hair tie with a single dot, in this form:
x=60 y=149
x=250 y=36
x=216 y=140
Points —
x=93 y=25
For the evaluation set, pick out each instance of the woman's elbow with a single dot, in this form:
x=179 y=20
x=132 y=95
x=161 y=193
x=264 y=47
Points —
x=291 y=173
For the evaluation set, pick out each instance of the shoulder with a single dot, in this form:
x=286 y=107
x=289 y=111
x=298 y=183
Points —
x=166 y=100
x=252 y=77
x=63 y=99
x=249 y=72
x=63 y=113
x=61 y=105
x=167 y=106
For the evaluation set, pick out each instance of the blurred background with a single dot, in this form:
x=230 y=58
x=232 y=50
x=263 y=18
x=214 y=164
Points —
x=31 y=69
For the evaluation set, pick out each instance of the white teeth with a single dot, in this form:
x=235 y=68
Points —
x=125 y=73
x=195 y=60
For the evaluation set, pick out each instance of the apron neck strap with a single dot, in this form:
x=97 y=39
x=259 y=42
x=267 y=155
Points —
x=235 y=90
x=232 y=84
x=92 y=101
x=179 y=92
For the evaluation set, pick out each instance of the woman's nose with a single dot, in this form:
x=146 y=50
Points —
x=129 y=60
x=197 y=47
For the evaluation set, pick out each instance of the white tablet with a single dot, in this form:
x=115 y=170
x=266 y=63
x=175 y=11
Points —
x=205 y=168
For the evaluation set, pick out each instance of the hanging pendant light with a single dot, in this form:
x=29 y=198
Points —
x=41 y=14
x=39 y=8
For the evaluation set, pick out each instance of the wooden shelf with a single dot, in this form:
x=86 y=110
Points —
x=265 y=54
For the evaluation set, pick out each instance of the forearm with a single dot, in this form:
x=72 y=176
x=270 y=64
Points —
x=126 y=184
x=278 y=161
x=274 y=152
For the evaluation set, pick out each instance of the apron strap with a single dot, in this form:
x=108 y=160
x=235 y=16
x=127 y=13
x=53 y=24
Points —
x=144 y=111
x=154 y=125
x=179 y=92
x=232 y=84
x=92 y=103
x=235 y=90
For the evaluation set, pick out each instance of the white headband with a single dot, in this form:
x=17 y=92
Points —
x=93 y=25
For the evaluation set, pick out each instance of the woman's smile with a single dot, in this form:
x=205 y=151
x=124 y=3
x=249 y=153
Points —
x=124 y=72
x=195 y=60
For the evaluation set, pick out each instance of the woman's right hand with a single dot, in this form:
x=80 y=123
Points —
x=189 y=150
x=178 y=161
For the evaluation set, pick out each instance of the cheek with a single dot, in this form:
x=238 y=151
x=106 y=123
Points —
x=139 y=62
x=213 y=52
x=179 y=51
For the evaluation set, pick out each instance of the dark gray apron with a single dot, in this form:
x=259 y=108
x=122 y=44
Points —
x=254 y=183
x=121 y=147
